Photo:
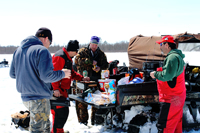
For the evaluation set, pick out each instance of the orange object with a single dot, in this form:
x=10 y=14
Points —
x=141 y=74
x=127 y=74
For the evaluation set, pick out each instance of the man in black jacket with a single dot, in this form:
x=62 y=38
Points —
x=93 y=60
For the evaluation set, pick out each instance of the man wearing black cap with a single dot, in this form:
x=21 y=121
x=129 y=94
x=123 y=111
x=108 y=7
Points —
x=62 y=59
x=33 y=70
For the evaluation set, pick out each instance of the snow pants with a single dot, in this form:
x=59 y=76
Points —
x=82 y=113
x=170 y=116
x=60 y=115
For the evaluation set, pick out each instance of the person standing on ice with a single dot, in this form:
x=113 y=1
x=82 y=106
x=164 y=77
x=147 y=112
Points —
x=62 y=59
x=32 y=68
x=171 y=87
x=86 y=59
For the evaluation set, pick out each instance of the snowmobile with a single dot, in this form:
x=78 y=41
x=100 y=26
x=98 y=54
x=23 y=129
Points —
x=4 y=63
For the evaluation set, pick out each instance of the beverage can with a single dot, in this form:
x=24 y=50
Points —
x=102 y=74
x=85 y=73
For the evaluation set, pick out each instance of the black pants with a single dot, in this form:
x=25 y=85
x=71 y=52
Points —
x=60 y=116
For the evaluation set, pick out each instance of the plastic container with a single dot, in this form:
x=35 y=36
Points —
x=102 y=82
x=105 y=74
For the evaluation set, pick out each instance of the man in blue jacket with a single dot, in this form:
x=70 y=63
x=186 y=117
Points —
x=33 y=70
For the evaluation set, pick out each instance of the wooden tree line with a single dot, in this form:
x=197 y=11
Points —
x=106 y=47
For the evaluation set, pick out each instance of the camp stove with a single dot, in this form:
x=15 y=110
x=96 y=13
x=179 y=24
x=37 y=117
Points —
x=83 y=86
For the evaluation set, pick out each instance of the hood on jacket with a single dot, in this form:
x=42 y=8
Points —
x=177 y=51
x=29 y=41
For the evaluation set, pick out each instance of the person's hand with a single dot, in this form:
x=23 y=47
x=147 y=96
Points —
x=67 y=73
x=94 y=63
x=152 y=75
x=96 y=69
x=56 y=93
x=86 y=79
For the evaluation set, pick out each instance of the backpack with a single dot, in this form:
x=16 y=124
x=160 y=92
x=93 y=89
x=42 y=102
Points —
x=21 y=118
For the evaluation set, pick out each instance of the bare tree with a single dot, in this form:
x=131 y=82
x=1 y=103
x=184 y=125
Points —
x=105 y=46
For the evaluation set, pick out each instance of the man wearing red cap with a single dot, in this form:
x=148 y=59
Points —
x=62 y=59
x=171 y=87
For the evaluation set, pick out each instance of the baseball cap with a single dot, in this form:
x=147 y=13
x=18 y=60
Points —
x=44 y=32
x=167 y=38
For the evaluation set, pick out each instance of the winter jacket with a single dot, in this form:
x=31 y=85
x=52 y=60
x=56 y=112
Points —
x=84 y=61
x=61 y=59
x=33 y=69
x=170 y=77
x=172 y=67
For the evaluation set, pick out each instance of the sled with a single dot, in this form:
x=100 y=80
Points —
x=126 y=96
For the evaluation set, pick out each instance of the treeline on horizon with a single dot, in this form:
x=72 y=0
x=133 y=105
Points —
x=106 y=47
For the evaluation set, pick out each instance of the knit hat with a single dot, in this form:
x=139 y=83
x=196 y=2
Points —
x=73 y=45
x=94 y=39
x=44 y=32
x=167 y=38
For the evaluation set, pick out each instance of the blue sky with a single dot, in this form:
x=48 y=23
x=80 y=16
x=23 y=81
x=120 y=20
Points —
x=112 y=20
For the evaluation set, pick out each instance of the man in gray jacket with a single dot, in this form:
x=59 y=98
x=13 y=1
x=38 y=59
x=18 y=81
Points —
x=33 y=70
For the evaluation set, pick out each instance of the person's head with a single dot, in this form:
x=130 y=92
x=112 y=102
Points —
x=45 y=36
x=72 y=48
x=94 y=43
x=167 y=44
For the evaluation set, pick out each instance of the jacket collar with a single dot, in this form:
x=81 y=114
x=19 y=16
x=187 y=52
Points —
x=67 y=54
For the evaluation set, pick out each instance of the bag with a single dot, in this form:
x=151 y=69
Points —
x=124 y=80
x=21 y=118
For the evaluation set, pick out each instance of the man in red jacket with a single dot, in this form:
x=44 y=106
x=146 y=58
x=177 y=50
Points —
x=62 y=59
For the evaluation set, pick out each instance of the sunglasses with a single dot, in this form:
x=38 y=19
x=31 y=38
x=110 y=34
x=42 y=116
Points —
x=50 y=42
x=163 y=43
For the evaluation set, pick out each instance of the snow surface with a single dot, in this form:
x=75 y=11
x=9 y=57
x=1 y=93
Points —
x=10 y=102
